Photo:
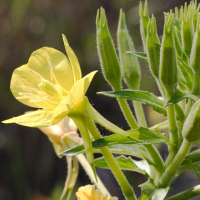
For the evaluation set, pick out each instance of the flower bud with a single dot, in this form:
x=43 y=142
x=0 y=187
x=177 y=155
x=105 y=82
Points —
x=107 y=54
x=168 y=65
x=191 y=126
x=187 y=30
x=144 y=19
x=153 y=47
x=195 y=59
x=129 y=63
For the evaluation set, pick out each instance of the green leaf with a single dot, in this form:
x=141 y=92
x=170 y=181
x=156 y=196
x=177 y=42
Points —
x=123 y=162
x=160 y=194
x=138 y=54
x=138 y=95
x=151 y=192
x=149 y=136
x=194 y=157
x=180 y=95
x=128 y=149
x=147 y=189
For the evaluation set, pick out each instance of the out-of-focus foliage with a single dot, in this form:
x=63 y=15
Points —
x=27 y=168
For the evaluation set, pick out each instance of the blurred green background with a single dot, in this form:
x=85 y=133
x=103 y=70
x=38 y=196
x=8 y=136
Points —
x=29 y=168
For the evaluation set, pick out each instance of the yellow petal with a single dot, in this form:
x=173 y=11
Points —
x=23 y=76
x=39 y=118
x=74 y=98
x=73 y=60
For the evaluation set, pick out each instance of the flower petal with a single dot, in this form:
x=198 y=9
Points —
x=74 y=98
x=73 y=60
x=61 y=66
x=22 y=76
x=38 y=118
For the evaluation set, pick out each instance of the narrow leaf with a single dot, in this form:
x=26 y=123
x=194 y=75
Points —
x=128 y=149
x=123 y=162
x=160 y=194
x=180 y=95
x=147 y=135
x=138 y=54
x=138 y=95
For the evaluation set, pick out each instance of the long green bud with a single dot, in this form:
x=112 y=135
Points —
x=107 y=54
x=129 y=63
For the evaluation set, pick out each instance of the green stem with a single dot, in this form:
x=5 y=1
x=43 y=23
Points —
x=188 y=194
x=173 y=132
x=86 y=166
x=140 y=113
x=127 y=113
x=125 y=186
x=170 y=171
x=150 y=148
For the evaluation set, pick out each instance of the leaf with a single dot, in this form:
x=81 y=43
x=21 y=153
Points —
x=138 y=95
x=180 y=95
x=160 y=194
x=151 y=192
x=128 y=149
x=147 y=189
x=138 y=54
x=123 y=162
x=149 y=136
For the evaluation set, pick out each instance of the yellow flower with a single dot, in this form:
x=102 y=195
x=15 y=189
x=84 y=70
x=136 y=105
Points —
x=89 y=192
x=51 y=82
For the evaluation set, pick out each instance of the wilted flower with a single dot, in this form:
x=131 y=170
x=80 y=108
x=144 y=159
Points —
x=51 y=82
x=89 y=192
x=63 y=135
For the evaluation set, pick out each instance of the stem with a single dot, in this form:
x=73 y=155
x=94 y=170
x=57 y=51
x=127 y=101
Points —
x=150 y=148
x=188 y=194
x=173 y=132
x=125 y=186
x=170 y=171
x=140 y=113
x=86 y=166
x=127 y=113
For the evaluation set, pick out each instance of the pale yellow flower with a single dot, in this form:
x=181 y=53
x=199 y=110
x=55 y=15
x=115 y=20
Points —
x=63 y=135
x=89 y=192
x=51 y=82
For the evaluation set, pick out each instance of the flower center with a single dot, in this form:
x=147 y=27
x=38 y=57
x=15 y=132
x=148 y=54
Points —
x=48 y=95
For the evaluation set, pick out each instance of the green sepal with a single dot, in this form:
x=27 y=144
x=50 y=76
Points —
x=106 y=50
x=129 y=64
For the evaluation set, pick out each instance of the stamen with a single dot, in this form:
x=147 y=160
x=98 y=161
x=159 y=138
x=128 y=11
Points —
x=37 y=74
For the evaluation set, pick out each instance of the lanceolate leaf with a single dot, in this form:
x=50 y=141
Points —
x=138 y=95
x=138 y=54
x=180 y=95
x=123 y=162
x=128 y=149
x=147 y=135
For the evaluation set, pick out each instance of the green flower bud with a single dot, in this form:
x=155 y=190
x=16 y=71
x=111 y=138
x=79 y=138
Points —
x=144 y=19
x=107 y=54
x=195 y=59
x=153 y=47
x=191 y=126
x=168 y=65
x=129 y=63
x=187 y=30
